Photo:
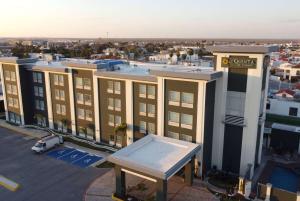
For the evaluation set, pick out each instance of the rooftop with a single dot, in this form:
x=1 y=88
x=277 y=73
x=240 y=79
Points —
x=121 y=68
x=255 y=49
x=165 y=156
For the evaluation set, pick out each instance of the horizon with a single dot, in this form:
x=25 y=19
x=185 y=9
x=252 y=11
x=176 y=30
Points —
x=134 y=19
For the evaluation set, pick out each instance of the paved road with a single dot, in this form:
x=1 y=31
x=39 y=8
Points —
x=42 y=178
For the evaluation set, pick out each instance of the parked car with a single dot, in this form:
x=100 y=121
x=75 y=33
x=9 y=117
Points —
x=47 y=143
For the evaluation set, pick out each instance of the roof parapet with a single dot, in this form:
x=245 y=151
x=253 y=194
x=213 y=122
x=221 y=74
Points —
x=243 y=49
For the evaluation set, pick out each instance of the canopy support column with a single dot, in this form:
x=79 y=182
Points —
x=161 y=190
x=189 y=172
x=120 y=182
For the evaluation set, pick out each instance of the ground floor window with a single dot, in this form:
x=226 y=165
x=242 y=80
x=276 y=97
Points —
x=41 y=121
x=112 y=139
x=62 y=126
x=81 y=131
x=119 y=140
x=293 y=111
x=14 y=118
x=90 y=133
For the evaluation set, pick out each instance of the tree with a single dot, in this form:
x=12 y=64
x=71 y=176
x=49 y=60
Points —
x=190 y=53
x=178 y=55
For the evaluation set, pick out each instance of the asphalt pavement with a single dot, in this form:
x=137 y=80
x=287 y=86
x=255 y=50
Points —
x=41 y=178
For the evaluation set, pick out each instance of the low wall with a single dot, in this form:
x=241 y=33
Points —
x=276 y=194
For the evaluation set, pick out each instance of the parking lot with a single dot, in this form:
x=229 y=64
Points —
x=62 y=174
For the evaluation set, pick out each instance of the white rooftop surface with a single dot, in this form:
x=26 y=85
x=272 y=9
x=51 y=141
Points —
x=138 y=68
x=155 y=155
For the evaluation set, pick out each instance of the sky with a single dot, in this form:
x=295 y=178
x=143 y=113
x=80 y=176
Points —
x=150 y=18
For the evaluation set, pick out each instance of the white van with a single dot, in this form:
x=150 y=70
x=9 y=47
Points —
x=47 y=143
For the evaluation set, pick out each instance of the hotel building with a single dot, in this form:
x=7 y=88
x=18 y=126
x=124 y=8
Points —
x=220 y=108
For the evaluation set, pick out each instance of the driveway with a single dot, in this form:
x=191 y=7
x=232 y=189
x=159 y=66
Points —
x=40 y=177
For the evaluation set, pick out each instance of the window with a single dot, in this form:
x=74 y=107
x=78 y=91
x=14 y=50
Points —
x=7 y=75
x=151 y=110
x=59 y=80
x=151 y=92
x=151 y=128
x=37 y=77
x=117 y=87
x=110 y=87
x=185 y=137
x=90 y=133
x=12 y=76
x=110 y=103
x=173 y=119
x=41 y=121
x=81 y=131
x=187 y=121
x=293 y=111
x=119 y=140
x=80 y=113
x=87 y=99
x=268 y=106
x=87 y=83
x=174 y=98
x=62 y=95
x=79 y=98
x=9 y=88
x=117 y=104
x=56 y=91
x=10 y=102
x=143 y=109
x=174 y=135
x=111 y=120
x=237 y=79
x=14 y=118
x=118 y=120
x=114 y=120
x=89 y=115
x=14 y=89
x=79 y=83
x=187 y=100
x=143 y=126
x=62 y=126
x=142 y=91
x=38 y=91
x=112 y=140
x=298 y=73
x=39 y=105
x=61 y=109
x=59 y=94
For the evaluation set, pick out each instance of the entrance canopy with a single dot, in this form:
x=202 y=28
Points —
x=155 y=156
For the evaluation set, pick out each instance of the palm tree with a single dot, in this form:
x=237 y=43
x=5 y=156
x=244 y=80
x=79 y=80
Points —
x=191 y=53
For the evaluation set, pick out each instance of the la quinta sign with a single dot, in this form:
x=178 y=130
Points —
x=238 y=62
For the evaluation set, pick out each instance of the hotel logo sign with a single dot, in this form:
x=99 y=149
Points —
x=238 y=62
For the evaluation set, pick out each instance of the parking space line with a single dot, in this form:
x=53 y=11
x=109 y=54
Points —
x=9 y=184
x=66 y=154
x=79 y=159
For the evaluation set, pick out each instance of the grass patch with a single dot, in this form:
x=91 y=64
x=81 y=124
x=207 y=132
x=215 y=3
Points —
x=86 y=145
x=283 y=119
x=106 y=164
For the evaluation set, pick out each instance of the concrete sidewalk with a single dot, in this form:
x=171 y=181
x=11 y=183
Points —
x=34 y=133
x=103 y=188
